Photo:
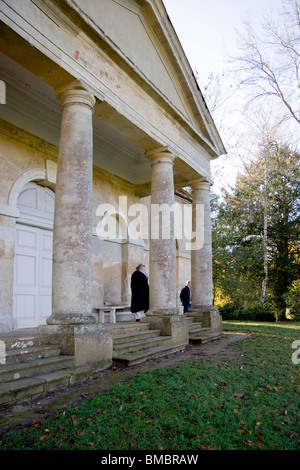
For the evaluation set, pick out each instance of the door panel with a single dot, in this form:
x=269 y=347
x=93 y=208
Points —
x=25 y=270
x=25 y=309
x=33 y=257
x=45 y=278
x=33 y=276
x=26 y=276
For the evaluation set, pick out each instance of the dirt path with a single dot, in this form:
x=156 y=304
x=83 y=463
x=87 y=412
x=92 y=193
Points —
x=15 y=416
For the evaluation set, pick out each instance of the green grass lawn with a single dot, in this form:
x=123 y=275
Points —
x=249 y=402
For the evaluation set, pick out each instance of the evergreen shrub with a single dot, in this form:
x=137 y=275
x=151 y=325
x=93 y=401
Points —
x=260 y=313
x=292 y=299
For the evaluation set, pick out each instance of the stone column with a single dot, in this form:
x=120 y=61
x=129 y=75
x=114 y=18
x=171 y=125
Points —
x=162 y=269
x=71 y=324
x=201 y=258
x=72 y=235
x=164 y=313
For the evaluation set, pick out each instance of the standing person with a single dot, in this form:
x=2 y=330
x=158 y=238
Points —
x=185 y=296
x=140 y=292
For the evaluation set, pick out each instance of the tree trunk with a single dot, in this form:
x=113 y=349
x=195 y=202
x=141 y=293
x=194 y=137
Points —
x=265 y=241
x=265 y=237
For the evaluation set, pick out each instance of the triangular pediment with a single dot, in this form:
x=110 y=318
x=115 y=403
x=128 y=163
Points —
x=142 y=34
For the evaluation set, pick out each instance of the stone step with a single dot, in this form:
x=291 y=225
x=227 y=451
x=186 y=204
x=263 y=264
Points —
x=196 y=326
x=138 y=357
x=136 y=343
x=21 y=339
x=134 y=336
x=32 y=368
x=17 y=391
x=141 y=345
x=120 y=316
x=123 y=328
x=200 y=334
x=28 y=369
x=205 y=336
x=21 y=355
x=20 y=390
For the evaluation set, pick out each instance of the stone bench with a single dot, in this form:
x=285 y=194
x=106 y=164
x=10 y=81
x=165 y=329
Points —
x=2 y=353
x=112 y=309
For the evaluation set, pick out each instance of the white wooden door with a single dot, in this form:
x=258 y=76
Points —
x=33 y=257
x=33 y=276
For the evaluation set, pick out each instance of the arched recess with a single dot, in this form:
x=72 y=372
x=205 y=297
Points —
x=32 y=284
x=115 y=229
x=28 y=176
x=123 y=250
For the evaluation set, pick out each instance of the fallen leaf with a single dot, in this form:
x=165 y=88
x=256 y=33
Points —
x=248 y=443
x=238 y=395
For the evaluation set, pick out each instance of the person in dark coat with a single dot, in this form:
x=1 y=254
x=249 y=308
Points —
x=185 y=296
x=140 y=292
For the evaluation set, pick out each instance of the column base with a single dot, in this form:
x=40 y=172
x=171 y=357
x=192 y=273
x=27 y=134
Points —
x=208 y=315
x=173 y=325
x=71 y=319
x=163 y=311
x=89 y=344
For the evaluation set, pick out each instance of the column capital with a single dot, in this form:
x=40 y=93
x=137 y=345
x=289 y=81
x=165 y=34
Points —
x=160 y=155
x=200 y=183
x=75 y=93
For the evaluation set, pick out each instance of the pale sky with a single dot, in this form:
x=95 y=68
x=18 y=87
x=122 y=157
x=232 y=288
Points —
x=208 y=32
x=207 y=28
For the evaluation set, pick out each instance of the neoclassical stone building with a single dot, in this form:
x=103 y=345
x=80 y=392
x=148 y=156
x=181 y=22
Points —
x=100 y=117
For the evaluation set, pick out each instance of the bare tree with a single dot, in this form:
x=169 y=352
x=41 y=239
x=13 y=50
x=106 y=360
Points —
x=269 y=64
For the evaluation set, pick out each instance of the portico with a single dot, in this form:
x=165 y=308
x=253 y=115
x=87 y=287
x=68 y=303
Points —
x=110 y=126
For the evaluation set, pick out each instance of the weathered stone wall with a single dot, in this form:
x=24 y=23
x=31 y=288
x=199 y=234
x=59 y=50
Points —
x=22 y=159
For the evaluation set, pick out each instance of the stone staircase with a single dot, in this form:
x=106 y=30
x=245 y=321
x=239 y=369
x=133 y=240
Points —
x=200 y=334
x=134 y=343
x=33 y=369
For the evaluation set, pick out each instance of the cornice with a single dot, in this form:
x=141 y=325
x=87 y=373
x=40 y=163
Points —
x=156 y=12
